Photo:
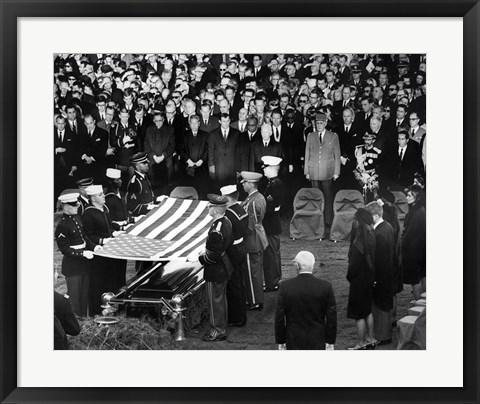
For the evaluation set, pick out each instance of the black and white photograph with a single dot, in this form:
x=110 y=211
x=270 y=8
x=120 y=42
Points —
x=239 y=201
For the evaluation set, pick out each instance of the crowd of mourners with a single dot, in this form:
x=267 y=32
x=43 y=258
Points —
x=131 y=127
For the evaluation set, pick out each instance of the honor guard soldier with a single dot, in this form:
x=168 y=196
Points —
x=255 y=240
x=274 y=195
x=76 y=250
x=218 y=267
x=64 y=321
x=366 y=172
x=114 y=200
x=139 y=190
x=83 y=199
x=236 y=295
x=106 y=272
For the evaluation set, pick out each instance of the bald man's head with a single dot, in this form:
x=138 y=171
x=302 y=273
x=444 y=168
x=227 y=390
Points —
x=305 y=261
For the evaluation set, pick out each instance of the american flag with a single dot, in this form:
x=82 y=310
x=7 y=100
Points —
x=172 y=230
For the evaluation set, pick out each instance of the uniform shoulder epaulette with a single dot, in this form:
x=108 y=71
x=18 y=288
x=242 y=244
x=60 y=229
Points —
x=218 y=227
x=377 y=149
x=65 y=296
x=236 y=214
x=89 y=207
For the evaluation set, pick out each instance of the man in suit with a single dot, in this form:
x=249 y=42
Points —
x=217 y=267
x=349 y=138
x=265 y=147
x=208 y=123
x=193 y=151
x=322 y=163
x=141 y=121
x=363 y=118
x=256 y=239
x=222 y=145
x=383 y=290
x=403 y=162
x=92 y=149
x=306 y=311
x=260 y=72
x=416 y=132
x=64 y=159
x=244 y=145
x=241 y=124
x=159 y=146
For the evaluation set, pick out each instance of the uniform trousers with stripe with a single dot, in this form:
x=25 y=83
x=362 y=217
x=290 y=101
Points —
x=77 y=289
x=382 y=323
x=272 y=262
x=236 y=295
x=327 y=188
x=254 y=280
x=217 y=307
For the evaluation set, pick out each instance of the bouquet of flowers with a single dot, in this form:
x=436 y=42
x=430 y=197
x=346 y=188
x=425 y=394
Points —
x=368 y=181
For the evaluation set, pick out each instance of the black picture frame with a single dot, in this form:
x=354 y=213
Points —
x=11 y=10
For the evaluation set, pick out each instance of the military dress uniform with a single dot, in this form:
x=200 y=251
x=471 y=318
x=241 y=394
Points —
x=217 y=270
x=64 y=321
x=367 y=162
x=272 y=262
x=139 y=194
x=255 y=243
x=72 y=243
x=105 y=271
x=236 y=294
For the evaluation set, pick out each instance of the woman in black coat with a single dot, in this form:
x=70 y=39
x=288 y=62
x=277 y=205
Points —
x=361 y=275
x=414 y=242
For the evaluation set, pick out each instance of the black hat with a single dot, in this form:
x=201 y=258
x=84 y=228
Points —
x=85 y=182
x=217 y=200
x=140 y=157
x=106 y=69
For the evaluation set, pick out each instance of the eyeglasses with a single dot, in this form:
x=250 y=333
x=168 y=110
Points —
x=414 y=119
x=223 y=70
x=302 y=101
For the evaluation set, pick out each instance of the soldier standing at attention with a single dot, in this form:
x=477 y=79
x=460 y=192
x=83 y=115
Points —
x=218 y=267
x=256 y=239
x=236 y=297
x=274 y=195
x=76 y=250
x=139 y=190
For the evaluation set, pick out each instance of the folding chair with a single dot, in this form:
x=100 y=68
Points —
x=345 y=204
x=307 y=221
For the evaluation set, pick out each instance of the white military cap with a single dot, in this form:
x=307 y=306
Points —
x=271 y=160
x=69 y=198
x=94 y=190
x=113 y=173
x=228 y=189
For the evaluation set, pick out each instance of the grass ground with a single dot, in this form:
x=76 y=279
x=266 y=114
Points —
x=331 y=264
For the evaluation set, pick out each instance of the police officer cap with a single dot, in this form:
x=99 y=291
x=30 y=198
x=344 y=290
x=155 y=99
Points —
x=355 y=69
x=217 y=200
x=85 y=182
x=69 y=198
x=271 y=161
x=320 y=116
x=249 y=176
x=228 y=189
x=140 y=157
x=369 y=136
x=94 y=190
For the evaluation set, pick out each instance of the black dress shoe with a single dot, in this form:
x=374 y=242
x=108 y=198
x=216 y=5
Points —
x=274 y=289
x=255 y=307
x=384 y=342
x=211 y=338
x=240 y=324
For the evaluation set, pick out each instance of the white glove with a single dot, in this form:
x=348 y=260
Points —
x=343 y=160
x=88 y=254
x=106 y=240
x=330 y=347
x=282 y=347
x=98 y=248
x=117 y=233
x=150 y=206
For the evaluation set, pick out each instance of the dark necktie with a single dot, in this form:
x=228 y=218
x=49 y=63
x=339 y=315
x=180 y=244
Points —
x=413 y=133
x=401 y=154
x=74 y=127
x=346 y=130
x=276 y=134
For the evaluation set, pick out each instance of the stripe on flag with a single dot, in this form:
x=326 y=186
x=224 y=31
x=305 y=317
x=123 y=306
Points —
x=173 y=229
